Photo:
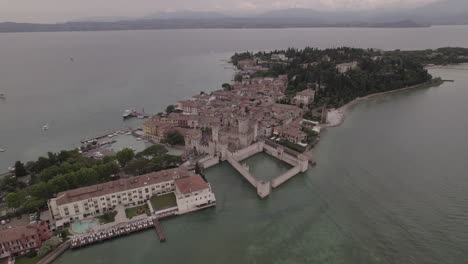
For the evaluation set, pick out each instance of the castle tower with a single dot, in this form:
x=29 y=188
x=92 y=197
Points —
x=215 y=133
x=243 y=125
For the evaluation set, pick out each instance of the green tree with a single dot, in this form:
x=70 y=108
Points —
x=20 y=171
x=175 y=138
x=33 y=204
x=154 y=150
x=124 y=156
x=238 y=78
x=170 y=109
x=226 y=87
x=40 y=190
x=15 y=199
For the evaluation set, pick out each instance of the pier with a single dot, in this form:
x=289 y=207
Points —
x=119 y=131
x=159 y=230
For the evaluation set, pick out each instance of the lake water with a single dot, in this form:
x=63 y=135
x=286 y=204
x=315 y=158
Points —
x=390 y=184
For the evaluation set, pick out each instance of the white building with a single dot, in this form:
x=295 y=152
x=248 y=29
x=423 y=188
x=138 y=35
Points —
x=101 y=198
x=279 y=57
x=305 y=97
x=193 y=193
x=345 y=67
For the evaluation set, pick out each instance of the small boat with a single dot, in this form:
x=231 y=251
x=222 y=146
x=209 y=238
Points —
x=2 y=96
x=45 y=127
x=128 y=133
x=129 y=113
x=138 y=139
x=110 y=135
x=2 y=150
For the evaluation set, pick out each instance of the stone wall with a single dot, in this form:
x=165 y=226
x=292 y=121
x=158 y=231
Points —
x=209 y=161
x=248 y=151
x=242 y=171
x=286 y=176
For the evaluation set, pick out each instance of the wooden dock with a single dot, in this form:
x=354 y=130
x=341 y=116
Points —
x=159 y=230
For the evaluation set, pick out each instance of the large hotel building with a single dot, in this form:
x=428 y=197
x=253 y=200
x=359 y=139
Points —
x=191 y=191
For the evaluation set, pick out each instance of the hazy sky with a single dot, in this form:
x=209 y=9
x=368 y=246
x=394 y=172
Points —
x=63 y=10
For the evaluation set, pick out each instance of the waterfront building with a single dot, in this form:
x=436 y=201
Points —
x=193 y=193
x=155 y=130
x=98 y=199
x=18 y=241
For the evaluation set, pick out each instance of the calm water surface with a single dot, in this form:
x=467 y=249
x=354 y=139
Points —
x=390 y=185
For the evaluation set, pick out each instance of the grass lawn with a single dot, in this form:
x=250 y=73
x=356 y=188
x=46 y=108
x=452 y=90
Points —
x=26 y=260
x=107 y=218
x=132 y=212
x=163 y=201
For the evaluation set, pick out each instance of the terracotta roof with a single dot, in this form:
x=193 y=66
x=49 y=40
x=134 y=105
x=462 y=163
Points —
x=191 y=184
x=121 y=185
x=17 y=233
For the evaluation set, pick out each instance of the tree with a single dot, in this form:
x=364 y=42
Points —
x=15 y=199
x=170 y=109
x=154 y=150
x=238 y=78
x=49 y=245
x=40 y=190
x=226 y=87
x=175 y=138
x=124 y=156
x=20 y=171
x=33 y=204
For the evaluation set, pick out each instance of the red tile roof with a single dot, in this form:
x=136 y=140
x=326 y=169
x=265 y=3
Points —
x=191 y=184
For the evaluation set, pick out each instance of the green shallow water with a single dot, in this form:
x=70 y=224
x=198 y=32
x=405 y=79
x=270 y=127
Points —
x=390 y=186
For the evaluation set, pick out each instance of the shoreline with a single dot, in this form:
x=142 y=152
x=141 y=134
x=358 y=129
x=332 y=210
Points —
x=336 y=117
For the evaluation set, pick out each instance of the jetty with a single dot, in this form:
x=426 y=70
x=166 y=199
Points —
x=118 y=131
x=159 y=230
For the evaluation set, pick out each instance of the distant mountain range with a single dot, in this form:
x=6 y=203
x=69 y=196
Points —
x=448 y=12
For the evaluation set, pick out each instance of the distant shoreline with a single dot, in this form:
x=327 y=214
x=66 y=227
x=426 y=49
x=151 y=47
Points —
x=172 y=24
x=336 y=117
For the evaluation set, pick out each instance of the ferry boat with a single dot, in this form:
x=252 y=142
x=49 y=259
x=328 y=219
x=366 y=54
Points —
x=129 y=113
x=2 y=150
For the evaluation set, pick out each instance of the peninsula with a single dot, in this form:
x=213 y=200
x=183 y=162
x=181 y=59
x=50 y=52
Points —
x=277 y=103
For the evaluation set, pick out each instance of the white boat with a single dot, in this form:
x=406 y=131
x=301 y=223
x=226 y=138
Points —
x=128 y=133
x=2 y=150
x=2 y=96
x=45 y=127
x=129 y=113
